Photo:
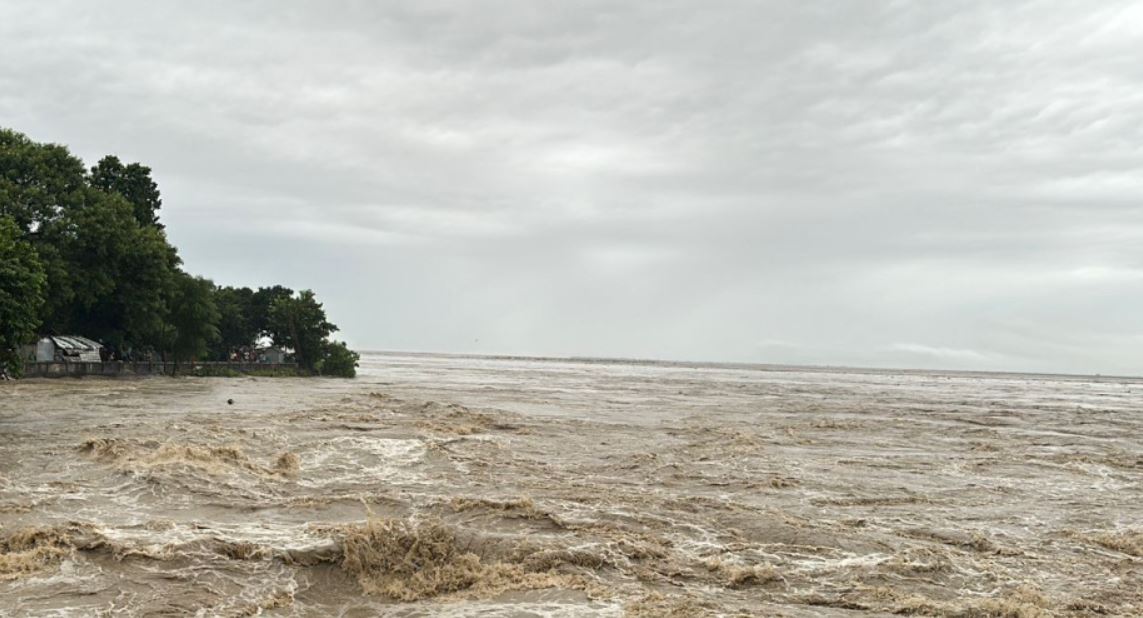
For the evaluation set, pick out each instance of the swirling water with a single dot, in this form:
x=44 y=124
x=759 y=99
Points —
x=464 y=486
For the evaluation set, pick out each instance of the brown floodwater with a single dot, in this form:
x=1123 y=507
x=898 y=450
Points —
x=459 y=486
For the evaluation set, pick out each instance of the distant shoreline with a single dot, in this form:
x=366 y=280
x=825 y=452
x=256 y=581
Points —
x=769 y=367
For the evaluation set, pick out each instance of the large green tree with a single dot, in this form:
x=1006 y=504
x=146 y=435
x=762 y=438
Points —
x=260 y=304
x=299 y=322
x=22 y=284
x=110 y=278
x=37 y=181
x=193 y=318
x=236 y=323
x=132 y=181
x=108 y=265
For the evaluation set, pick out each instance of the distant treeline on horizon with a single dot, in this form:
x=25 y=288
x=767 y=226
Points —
x=83 y=252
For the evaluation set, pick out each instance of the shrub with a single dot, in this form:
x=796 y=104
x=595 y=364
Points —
x=338 y=361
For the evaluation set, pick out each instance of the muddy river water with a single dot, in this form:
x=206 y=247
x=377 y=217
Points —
x=451 y=486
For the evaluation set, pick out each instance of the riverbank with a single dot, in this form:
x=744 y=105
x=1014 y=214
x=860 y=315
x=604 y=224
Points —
x=134 y=369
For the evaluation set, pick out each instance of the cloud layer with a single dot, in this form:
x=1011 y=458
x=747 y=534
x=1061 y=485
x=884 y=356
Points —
x=952 y=184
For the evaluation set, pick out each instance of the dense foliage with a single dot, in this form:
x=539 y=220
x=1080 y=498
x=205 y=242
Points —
x=83 y=252
x=193 y=318
x=22 y=283
x=338 y=360
x=298 y=322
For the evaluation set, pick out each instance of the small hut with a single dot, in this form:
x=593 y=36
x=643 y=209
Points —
x=68 y=348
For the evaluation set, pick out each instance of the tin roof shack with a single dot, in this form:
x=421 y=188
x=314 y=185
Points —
x=70 y=348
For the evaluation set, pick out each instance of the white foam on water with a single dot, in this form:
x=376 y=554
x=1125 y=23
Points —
x=274 y=537
x=510 y=610
x=360 y=460
x=852 y=561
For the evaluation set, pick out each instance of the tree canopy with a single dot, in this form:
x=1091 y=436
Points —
x=299 y=322
x=37 y=181
x=133 y=182
x=111 y=277
x=22 y=284
x=236 y=322
x=193 y=318
x=260 y=303
x=83 y=252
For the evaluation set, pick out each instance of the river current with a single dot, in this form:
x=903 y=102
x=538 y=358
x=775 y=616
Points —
x=471 y=486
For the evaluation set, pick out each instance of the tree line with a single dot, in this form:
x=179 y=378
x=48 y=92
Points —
x=82 y=251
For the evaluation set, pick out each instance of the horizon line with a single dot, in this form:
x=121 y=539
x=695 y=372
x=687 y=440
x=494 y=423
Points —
x=767 y=366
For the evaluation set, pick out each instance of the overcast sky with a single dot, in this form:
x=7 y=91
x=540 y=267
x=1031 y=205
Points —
x=910 y=184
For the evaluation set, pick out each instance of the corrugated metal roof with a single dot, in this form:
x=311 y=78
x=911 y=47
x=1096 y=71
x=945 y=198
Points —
x=76 y=347
x=75 y=342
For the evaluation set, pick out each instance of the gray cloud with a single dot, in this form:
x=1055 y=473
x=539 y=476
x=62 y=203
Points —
x=945 y=184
